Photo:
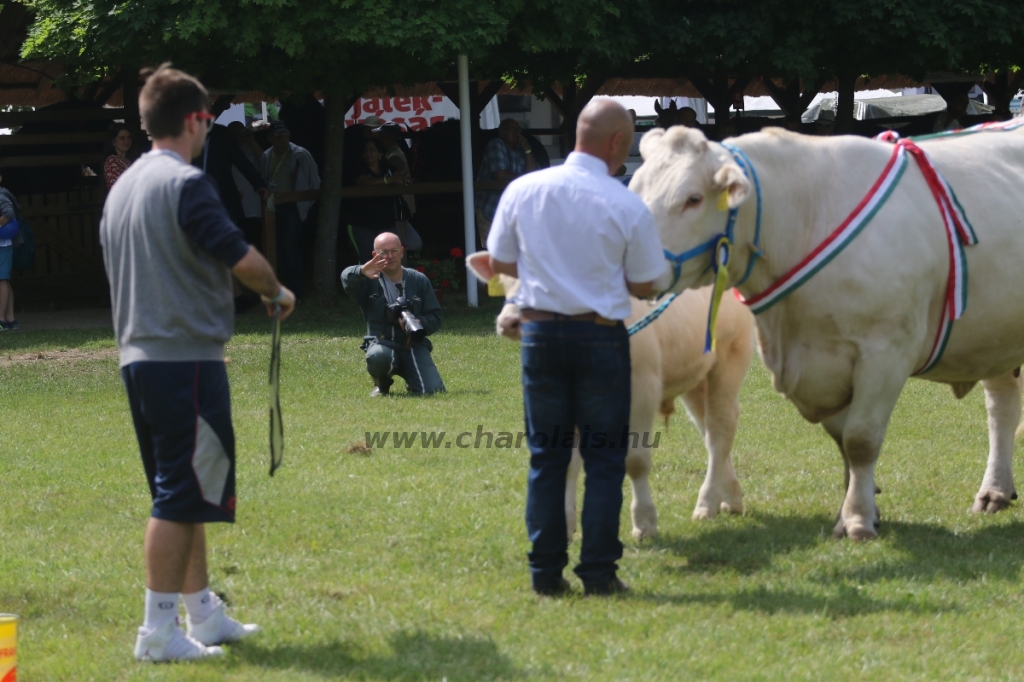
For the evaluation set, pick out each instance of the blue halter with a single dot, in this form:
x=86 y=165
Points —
x=677 y=260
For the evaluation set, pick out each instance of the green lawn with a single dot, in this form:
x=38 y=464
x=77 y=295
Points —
x=410 y=563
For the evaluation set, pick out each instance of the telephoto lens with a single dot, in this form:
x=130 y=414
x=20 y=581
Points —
x=413 y=327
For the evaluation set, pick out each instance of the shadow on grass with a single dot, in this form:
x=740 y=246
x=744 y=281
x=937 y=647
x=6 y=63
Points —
x=50 y=339
x=842 y=601
x=925 y=551
x=931 y=552
x=748 y=549
x=402 y=394
x=413 y=655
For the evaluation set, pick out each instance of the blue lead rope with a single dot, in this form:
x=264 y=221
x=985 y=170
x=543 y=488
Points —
x=677 y=260
x=721 y=252
x=651 y=316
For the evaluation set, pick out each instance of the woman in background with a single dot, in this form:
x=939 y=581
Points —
x=118 y=162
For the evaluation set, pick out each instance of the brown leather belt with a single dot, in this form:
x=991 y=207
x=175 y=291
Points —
x=531 y=315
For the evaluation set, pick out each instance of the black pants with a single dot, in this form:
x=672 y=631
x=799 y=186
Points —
x=289 y=247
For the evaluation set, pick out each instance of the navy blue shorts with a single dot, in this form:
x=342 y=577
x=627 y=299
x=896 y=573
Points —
x=182 y=416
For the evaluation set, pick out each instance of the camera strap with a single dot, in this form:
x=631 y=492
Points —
x=391 y=292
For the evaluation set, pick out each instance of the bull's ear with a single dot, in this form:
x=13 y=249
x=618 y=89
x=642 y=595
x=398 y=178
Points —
x=730 y=178
x=480 y=264
x=650 y=141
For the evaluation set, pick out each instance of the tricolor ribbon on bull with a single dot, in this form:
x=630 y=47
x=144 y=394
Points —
x=959 y=233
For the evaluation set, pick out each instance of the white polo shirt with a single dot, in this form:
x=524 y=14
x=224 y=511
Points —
x=577 y=235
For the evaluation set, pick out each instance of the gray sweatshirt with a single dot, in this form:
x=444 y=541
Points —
x=170 y=286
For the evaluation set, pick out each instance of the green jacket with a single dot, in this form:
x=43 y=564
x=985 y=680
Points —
x=369 y=296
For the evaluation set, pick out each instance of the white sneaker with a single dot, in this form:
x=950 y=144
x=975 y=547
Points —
x=218 y=627
x=169 y=642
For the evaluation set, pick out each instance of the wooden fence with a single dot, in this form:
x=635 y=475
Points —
x=68 y=267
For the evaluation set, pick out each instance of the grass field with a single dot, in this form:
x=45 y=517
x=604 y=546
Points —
x=410 y=563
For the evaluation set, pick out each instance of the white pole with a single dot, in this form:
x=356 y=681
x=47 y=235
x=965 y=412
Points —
x=468 y=208
x=264 y=111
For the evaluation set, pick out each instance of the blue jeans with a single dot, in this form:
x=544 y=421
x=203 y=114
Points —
x=575 y=374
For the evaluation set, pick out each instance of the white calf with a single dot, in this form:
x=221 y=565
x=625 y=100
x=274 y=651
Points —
x=668 y=360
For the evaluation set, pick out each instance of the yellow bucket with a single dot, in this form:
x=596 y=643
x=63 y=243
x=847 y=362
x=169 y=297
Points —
x=8 y=647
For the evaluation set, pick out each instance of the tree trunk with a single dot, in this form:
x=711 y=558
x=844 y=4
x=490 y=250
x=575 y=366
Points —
x=1001 y=90
x=325 y=274
x=844 y=107
x=132 y=117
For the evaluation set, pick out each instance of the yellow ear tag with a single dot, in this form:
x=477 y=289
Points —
x=494 y=287
x=723 y=200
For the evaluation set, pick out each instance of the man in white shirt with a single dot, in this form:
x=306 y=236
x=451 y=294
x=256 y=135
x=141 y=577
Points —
x=580 y=243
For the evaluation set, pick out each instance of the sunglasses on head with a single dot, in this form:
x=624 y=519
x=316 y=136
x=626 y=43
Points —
x=203 y=116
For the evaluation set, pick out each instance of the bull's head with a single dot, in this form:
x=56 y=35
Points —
x=508 y=318
x=689 y=186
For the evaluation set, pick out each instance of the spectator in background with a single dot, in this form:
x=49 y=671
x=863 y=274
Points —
x=372 y=216
x=287 y=167
x=505 y=158
x=688 y=117
x=220 y=157
x=825 y=124
x=956 y=111
x=7 y=215
x=118 y=161
x=251 y=199
x=396 y=155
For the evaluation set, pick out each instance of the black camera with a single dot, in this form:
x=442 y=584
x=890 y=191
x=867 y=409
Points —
x=401 y=310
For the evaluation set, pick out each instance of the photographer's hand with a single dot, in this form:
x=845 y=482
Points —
x=371 y=268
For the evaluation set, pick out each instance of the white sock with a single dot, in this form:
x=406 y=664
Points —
x=199 y=604
x=159 y=607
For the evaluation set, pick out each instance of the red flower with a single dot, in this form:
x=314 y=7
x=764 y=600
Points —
x=431 y=275
x=436 y=262
x=420 y=269
x=444 y=283
x=455 y=253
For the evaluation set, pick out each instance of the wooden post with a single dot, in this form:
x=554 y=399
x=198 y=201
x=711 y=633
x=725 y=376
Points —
x=793 y=97
x=1001 y=90
x=844 y=107
x=325 y=283
x=132 y=117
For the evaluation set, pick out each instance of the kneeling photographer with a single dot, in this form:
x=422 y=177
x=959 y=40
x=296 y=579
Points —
x=401 y=311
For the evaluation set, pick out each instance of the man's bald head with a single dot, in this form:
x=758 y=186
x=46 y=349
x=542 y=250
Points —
x=605 y=130
x=385 y=241
x=601 y=119
x=388 y=246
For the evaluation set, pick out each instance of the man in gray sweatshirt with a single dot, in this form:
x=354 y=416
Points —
x=169 y=248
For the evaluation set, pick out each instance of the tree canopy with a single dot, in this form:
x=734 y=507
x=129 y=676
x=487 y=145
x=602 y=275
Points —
x=341 y=45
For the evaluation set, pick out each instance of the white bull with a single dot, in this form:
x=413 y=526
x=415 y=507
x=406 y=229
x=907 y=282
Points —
x=667 y=360
x=842 y=345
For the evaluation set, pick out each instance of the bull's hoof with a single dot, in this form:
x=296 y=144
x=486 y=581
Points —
x=641 y=534
x=855 y=532
x=991 y=502
x=732 y=507
x=704 y=513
